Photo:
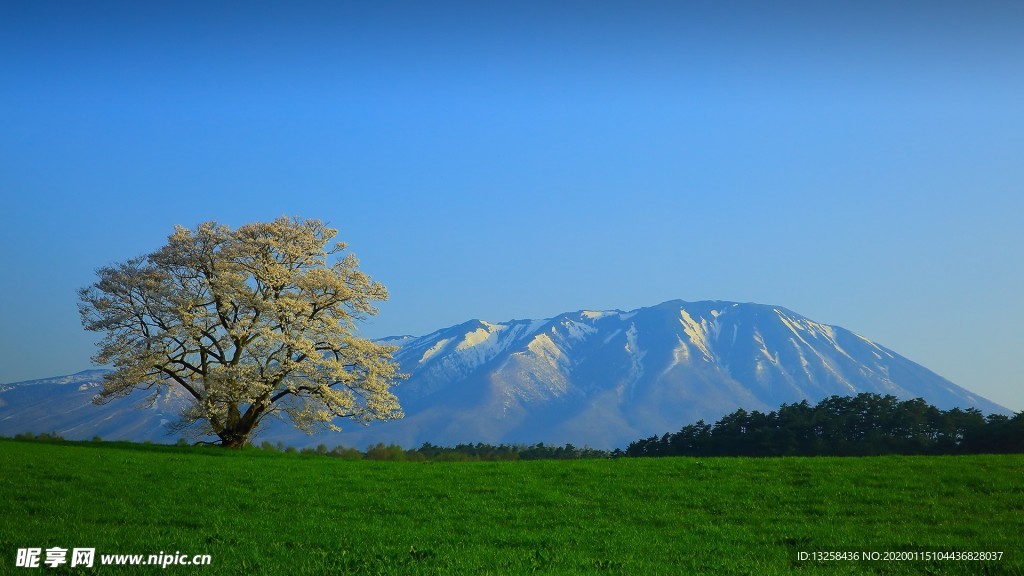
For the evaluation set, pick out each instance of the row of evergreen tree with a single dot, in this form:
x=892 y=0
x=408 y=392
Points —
x=459 y=453
x=381 y=451
x=862 y=425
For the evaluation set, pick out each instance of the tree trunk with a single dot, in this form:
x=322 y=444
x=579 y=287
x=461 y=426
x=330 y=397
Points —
x=233 y=438
x=236 y=434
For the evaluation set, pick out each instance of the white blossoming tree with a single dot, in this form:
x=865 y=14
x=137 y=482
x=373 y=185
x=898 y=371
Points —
x=250 y=322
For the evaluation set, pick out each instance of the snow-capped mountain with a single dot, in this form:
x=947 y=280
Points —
x=606 y=378
x=63 y=405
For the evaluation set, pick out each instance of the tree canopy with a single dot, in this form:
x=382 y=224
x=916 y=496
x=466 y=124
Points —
x=249 y=322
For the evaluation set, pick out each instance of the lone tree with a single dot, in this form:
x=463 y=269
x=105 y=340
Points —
x=249 y=322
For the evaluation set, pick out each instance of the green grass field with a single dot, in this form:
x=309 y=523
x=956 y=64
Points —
x=271 y=513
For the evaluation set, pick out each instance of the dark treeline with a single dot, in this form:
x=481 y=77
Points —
x=509 y=452
x=380 y=451
x=458 y=453
x=862 y=425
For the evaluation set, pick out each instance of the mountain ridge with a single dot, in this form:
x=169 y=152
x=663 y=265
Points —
x=510 y=376
x=604 y=378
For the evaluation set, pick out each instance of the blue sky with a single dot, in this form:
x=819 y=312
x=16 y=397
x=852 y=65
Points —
x=858 y=164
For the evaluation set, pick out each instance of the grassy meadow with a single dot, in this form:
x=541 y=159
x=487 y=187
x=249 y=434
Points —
x=272 y=513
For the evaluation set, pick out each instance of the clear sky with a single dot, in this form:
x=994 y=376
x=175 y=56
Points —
x=861 y=163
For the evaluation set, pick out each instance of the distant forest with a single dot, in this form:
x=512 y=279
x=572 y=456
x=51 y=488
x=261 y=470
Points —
x=862 y=425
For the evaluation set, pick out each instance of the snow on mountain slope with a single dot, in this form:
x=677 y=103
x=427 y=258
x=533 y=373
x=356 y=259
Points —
x=63 y=405
x=598 y=378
